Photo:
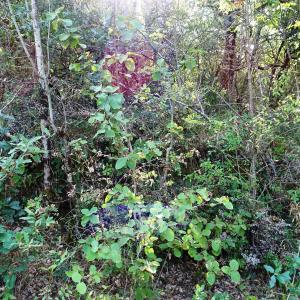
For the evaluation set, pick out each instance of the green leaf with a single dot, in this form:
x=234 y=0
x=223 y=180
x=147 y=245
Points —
x=131 y=163
x=210 y=278
x=55 y=24
x=94 y=219
x=198 y=257
x=235 y=276
x=190 y=63
x=203 y=193
x=15 y=205
x=95 y=68
x=65 y=44
x=89 y=212
x=84 y=220
x=127 y=231
x=101 y=99
x=10 y=283
x=226 y=270
x=272 y=281
x=106 y=75
x=121 y=163
x=73 y=30
x=212 y=265
x=156 y=209
x=94 y=245
x=179 y=214
x=89 y=254
x=177 y=252
x=181 y=197
x=234 y=265
x=206 y=232
x=225 y=201
x=110 y=133
x=228 y=205
x=156 y=75
x=116 y=101
x=110 y=89
x=216 y=245
x=93 y=210
x=74 y=41
x=76 y=277
x=67 y=22
x=97 y=117
x=202 y=241
x=96 y=88
x=284 y=277
x=115 y=253
x=81 y=288
x=169 y=235
x=161 y=62
x=92 y=269
x=96 y=278
x=51 y=16
x=269 y=269
x=64 y=36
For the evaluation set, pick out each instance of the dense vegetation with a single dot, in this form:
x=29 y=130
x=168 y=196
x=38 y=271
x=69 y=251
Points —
x=149 y=149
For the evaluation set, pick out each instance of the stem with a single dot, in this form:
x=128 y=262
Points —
x=252 y=177
x=40 y=61
x=46 y=156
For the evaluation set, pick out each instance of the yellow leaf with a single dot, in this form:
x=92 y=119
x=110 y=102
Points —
x=130 y=64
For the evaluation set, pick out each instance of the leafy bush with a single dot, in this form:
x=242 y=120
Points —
x=129 y=234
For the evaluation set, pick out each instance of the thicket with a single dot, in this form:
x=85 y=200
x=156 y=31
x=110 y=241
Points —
x=131 y=146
